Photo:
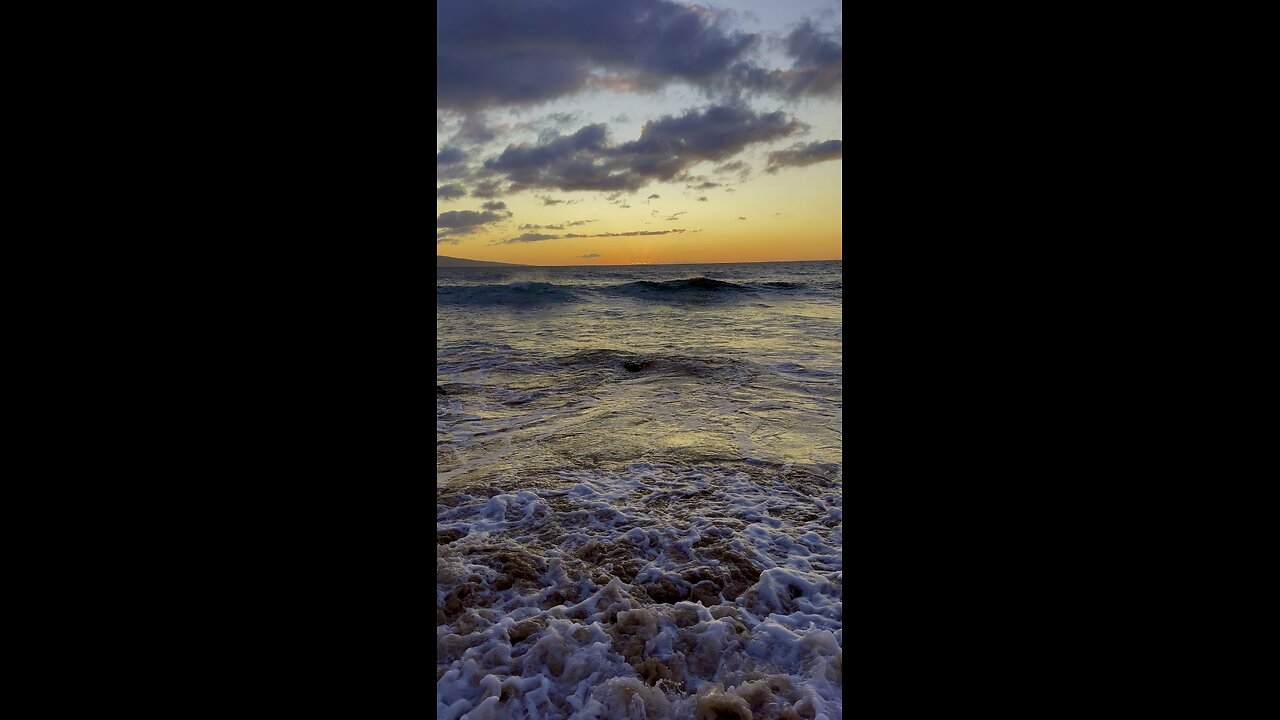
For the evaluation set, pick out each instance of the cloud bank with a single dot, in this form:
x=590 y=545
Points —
x=538 y=237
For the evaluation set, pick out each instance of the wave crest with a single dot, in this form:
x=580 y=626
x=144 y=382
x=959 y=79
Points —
x=520 y=292
x=695 y=284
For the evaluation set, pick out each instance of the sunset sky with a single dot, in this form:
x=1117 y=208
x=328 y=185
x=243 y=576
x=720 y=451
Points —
x=578 y=132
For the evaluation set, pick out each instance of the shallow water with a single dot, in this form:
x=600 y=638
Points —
x=639 y=504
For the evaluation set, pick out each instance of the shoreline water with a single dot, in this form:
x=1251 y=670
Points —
x=639 y=510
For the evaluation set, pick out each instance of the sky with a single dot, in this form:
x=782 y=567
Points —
x=613 y=132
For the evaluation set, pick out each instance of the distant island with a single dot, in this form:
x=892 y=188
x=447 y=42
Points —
x=446 y=261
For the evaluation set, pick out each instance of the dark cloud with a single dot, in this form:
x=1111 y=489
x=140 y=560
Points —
x=541 y=227
x=451 y=164
x=488 y=189
x=666 y=148
x=572 y=162
x=704 y=186
x=450 y=156
x=467 y=218
x=741 y=218
x=590 y=255
x=494 y=205
x=702 y=199
x=817 y=68
x=819 y=60
x=655 y=196
x=450 y=192
x=802 y=154
x=500 y=52
x=671 y=144
x=463 y=222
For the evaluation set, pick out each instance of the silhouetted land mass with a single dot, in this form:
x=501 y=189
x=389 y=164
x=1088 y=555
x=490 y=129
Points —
x=446 y=261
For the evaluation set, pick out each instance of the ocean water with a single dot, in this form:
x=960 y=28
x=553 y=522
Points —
x=639 y=510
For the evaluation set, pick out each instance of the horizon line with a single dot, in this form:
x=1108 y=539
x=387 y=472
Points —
x=738 y=262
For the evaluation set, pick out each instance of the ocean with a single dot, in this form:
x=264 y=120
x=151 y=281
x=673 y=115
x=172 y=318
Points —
x=639 y=509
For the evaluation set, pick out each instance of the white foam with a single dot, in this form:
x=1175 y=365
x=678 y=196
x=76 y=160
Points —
x=582 y=642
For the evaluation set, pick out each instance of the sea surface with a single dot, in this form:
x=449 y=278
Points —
x=639 y=509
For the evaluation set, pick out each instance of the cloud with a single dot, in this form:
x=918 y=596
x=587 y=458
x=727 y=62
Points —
x=463 y=222
x=527 y=237
x=561 y=226
x=538 y=237
x=590 y=255
x=488 y=189
x=802 y=154
x=737 y=166
x=702 y=199
x=450 y=164
x=550 y=123
x=819 y=60
x=569 y=162
x=467 y=218
x=741 y=218
x=547 y=200
x=495 y=205
x=475 y=130
x=817 y=68
x=671 y=144
x=704 y=186
x=654 y=196
x=666 y=148
x=450 y=156
x=632 y=233
x=450 y=192
x=511 y=52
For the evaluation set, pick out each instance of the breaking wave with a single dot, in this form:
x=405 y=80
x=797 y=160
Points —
x=696 y=284
x=527 y=292
x=522 y=292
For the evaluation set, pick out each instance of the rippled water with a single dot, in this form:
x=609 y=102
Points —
x=639 y=505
